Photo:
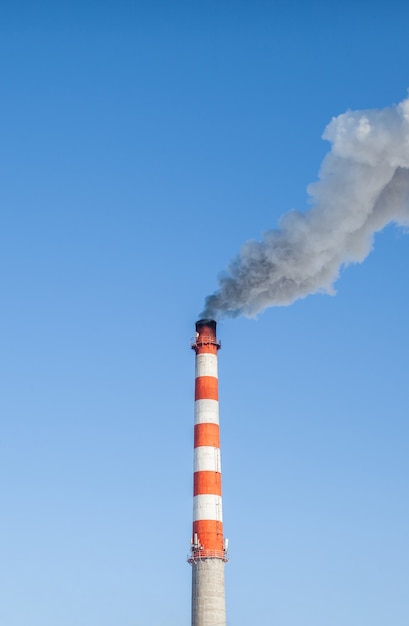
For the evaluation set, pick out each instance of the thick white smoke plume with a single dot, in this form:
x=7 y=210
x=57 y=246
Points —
x=363 y=186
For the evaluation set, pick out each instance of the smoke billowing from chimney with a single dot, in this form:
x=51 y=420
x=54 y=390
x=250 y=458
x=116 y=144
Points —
x=363 y=185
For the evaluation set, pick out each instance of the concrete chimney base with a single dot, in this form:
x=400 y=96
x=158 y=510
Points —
x=208 y=600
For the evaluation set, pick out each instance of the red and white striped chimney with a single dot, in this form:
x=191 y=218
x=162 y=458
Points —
x=208 y=548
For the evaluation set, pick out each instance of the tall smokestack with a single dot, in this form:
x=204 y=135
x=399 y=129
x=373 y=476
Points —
x=208 y=547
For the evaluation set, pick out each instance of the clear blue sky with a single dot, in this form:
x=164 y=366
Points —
x=141 y=144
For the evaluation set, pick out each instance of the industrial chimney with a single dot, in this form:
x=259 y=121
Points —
x=208 y=547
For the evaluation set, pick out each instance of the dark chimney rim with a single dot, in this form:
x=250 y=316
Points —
x=205 y=322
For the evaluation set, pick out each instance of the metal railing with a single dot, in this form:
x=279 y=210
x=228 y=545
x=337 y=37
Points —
x=198 y=555
x=205 y=340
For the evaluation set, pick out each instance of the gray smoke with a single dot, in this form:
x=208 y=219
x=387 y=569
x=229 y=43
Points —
x=363 y=185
